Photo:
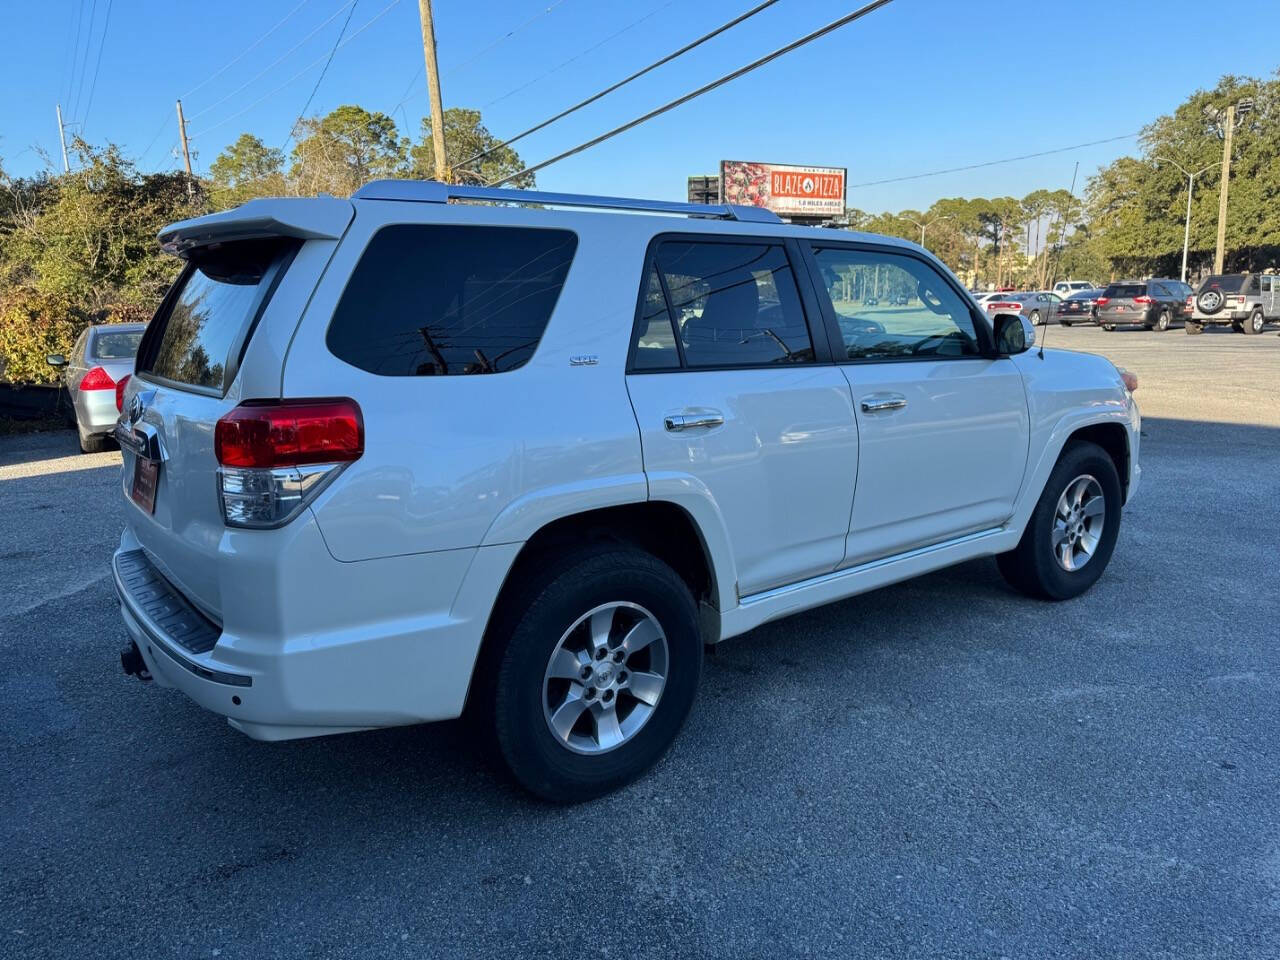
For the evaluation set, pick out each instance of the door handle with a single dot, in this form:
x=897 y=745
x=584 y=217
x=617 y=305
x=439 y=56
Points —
x=677 y=422
x=876 y=402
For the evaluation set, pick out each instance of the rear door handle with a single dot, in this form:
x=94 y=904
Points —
x=686 y=421
x=876 y=402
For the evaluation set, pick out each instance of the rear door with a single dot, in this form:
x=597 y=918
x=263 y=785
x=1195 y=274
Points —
x=942 y=422
x=735 y=397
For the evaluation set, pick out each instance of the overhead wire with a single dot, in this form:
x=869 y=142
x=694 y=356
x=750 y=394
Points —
x=243 y=53
x=69 y=69
x=705 y=88
x=377 y=16
x=93 y=86
x=84 y=61
x=320 y=79
x=623 y=82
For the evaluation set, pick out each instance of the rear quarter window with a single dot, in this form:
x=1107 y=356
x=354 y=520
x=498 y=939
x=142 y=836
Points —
x=446 y=300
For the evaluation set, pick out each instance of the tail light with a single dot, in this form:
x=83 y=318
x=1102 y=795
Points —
x=97 y=379
x=1005 y=306
x=276 y=456
x=1143 y=300
x=1191 y=302
x=124 y=382
x=1102 y=301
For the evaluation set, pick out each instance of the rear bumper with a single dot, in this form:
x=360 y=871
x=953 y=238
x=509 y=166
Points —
x=1222 y=316
x=402 y=643
x=96 y=411
x=1126 y=316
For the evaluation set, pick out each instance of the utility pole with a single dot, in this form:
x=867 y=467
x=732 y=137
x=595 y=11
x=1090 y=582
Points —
x=1222 y=188
x=186 y=150
x=433 y=89
x=62 y=136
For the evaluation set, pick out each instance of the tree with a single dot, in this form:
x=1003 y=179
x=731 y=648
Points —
x=246 y=169
x=343 y=150
x=464 y=138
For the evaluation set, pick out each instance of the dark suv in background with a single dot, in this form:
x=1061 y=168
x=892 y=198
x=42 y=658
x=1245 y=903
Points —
x=1154 y=304
x=1080 y=307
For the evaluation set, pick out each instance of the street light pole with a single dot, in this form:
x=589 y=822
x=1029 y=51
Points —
x=1186 y=230
x=924 y=226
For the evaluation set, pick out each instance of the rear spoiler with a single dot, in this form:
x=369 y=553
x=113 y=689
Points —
x=307 y=218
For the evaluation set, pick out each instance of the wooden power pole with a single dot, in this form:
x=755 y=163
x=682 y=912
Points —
x=62 y=136
x=1222 y=188
x=433 y=89
x=182 y=135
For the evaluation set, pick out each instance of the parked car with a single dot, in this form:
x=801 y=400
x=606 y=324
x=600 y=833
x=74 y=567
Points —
x=100 y=360
x=1065 y=288
x=1154 y=304
x=388 y=458
x=1080 y=307
x=1245 y=300
x=1037 y=306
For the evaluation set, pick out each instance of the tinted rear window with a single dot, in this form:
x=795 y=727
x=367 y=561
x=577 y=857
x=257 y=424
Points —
x=1232 y=283
x=116 y=345
x=434 y=300
x=200 y=333
x=1122 y=290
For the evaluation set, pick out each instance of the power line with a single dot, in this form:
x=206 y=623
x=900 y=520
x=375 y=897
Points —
x=992 y=163
x=377 y=16
x=102 y=43
x=706 y=88
x=272 y=65
x=580 y=55
x=240 y=56
x=84 y=61
x=622 y=83
x=320 y=79
x=70 y=68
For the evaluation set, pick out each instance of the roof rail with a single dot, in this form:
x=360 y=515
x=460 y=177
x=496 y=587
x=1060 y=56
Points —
x=433 y=191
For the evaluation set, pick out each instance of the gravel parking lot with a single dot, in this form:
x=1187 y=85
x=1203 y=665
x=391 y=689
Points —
x=940 y=769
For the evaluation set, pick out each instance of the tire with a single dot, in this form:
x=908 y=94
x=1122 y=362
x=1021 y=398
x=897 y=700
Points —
x=1033 y=566
x=91 y=443
x=1192 y=328
x=1109 y=327
x=554 y=610
x=1163 y=321
x=1255 y=324
x=1035 y=318
x=1237 y=326
x=1063 y=323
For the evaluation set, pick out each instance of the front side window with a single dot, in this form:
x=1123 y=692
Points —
x=891 y=306
x=440 y=300
x=729 y=304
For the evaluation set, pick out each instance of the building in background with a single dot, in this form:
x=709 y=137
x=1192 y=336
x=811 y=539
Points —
x=704 y=189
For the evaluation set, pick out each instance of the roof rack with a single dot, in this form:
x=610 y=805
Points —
x=433 y=191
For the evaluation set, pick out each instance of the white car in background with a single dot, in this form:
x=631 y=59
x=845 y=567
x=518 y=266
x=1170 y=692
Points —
x=1065 y=288
x=394 y=456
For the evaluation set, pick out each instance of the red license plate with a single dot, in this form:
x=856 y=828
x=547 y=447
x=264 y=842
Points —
x=1119 y=309
x=145 y=474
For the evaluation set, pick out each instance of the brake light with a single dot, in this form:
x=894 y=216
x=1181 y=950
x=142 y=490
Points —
x=1191 y=302
x=1004 y=306
x=276 y=456
x=1143 y=300
x=124 y=382
x=97 y=379
x=1102 y=301
x=290 y=433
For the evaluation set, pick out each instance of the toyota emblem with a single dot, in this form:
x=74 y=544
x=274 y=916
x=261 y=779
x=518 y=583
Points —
x=135 y=408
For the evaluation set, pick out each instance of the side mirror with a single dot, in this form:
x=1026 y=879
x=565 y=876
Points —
x=56 y=360
x=1014 y=334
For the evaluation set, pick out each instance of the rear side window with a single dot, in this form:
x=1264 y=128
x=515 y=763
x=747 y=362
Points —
x=1120 y=290
x=720 y=305
x=436 y=300
x=116 y=346
x=199 y=335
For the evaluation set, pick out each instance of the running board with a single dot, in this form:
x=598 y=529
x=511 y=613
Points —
x=759 y=608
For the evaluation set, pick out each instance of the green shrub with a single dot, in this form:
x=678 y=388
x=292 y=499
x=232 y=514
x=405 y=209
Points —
x=32 y=326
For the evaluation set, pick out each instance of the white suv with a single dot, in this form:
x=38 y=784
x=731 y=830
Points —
x=394 y=457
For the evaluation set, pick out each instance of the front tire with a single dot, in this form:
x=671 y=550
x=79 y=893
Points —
x=599 y=667
x=1255 y=323
x=1072 y=531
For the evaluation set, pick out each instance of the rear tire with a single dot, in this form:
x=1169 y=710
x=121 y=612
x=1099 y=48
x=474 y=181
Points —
x=1109 y=327
x=1192 y=328
x=91 y=443
x=1064 y=323
x=1085 y=533
x=1254 y=325
x=1163 y=321
x=553 y=613
x=1035 y=318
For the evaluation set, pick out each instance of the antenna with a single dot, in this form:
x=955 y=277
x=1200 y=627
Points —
x=1071 y=198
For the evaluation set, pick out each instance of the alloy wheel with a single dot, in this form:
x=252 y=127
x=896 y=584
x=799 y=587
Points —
x=1077 y=522
x=605 y=678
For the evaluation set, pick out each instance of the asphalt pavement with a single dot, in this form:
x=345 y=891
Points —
x=937 y=769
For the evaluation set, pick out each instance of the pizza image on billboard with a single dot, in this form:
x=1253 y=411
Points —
x=786 y=190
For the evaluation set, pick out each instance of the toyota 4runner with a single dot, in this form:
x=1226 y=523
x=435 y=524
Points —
x=436 y=448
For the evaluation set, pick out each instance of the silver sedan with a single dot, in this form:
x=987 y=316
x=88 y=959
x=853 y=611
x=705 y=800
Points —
x=103 y=355
x=1038 y=306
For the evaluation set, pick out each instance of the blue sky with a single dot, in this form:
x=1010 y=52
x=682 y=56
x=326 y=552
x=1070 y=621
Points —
x=918 y=86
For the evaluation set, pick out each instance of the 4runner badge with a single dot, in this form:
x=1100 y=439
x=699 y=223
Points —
x=584 y=360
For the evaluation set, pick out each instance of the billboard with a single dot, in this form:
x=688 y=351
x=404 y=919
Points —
x=786 y=190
